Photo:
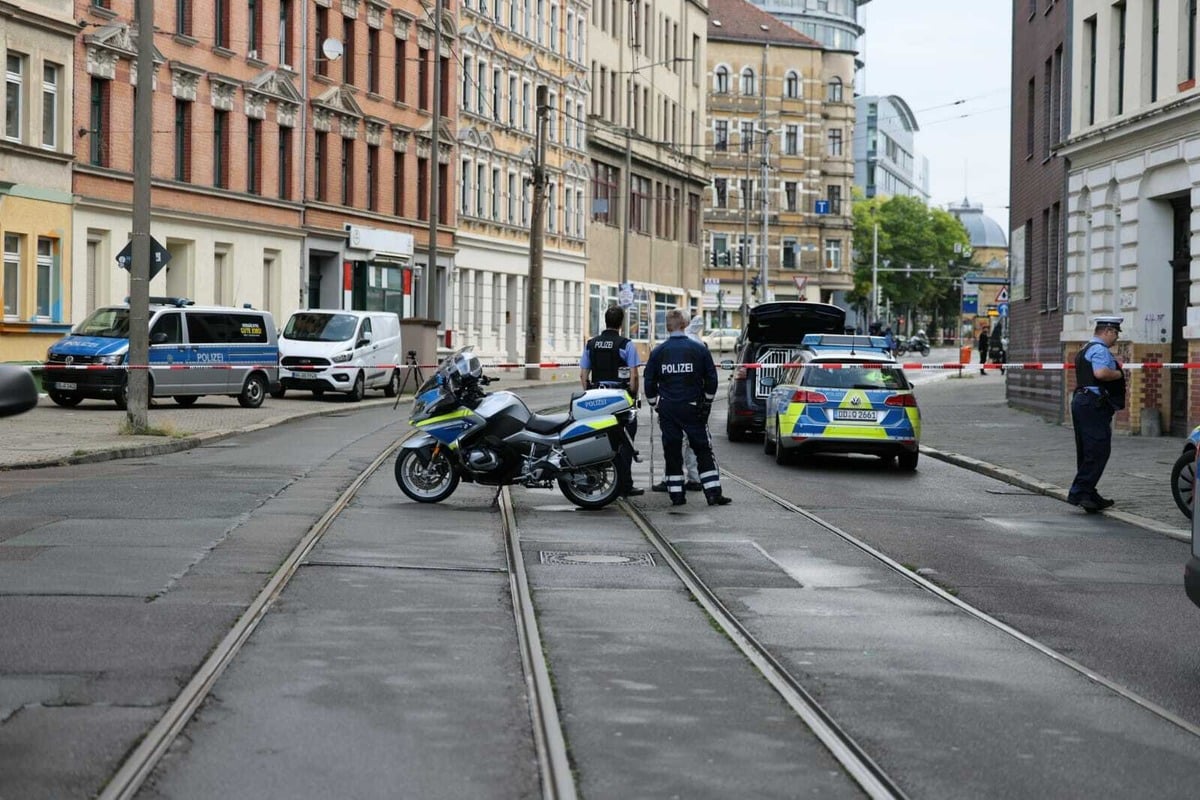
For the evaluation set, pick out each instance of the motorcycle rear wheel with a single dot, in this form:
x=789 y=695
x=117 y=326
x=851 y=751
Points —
x=591 y=487
x=424 y=478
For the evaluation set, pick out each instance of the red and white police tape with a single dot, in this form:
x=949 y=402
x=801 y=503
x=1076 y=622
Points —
x=916 y=365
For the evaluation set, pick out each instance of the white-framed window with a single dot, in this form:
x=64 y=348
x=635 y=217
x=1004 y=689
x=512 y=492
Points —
x=791 y=140
x=579 y=213
x=480 y=189
x=833 y=255
x=14 y=96
x=465 y=91
x=552 y=117
x=497 y=86
x=511 y=199
x=524 y=200
x=481 y=88
x=512 y=99
x=791 y=85
x=50 y=77
x=495 y=194
x=525 y=101
x=464 y=204
x=748 y=85
x=790 y=195
x=568 y=212
x=552 y=208
x=571 y=35
x=12 y=274
x=834 y=91
x=721 y=80
x=788 y=254
x=47 y=283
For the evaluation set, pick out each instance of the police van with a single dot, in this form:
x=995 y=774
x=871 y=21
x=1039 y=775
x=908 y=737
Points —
x=194 y=351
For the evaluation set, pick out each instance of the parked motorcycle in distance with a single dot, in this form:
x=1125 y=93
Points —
x=917 y=343
x=467 y=434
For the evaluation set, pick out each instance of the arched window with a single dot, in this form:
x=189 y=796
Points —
x=834 y=93
x=791 y=85
x=748 y=87
x=721 y=80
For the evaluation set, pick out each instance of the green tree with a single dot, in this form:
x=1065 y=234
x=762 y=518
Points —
x=926 y=241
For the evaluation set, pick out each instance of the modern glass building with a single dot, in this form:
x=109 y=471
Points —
x=833 y=23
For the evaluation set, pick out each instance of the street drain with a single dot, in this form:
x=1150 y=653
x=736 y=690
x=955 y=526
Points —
x=565 y=559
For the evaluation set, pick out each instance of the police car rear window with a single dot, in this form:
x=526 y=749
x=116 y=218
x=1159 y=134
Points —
x=854 y=377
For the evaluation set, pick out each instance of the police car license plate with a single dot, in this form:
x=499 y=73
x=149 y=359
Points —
x=854 y=414
x=66 y=387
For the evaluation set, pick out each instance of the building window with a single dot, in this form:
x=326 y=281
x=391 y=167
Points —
x=791 y=85
x=497 y=85
x=721 y=135
x=1119 y=84
x=789 y=195
x=183 y=140
x=748 y=85
x=789 y=253
x=747 y=191
x=349 y=34
x=1189 y=22
x=347 y=172
x=400 y=71
x=50 y=74
x=1089 y=88
x=284 y=163
x=373 y=61
x=604 y=192
x=285 y=32
x=98 y=110
x=254 y=156
x=720 y=193
x=721 y=80
x=254 y=21
x=791 y=140
x=833 y=93
x=47 y=294
x=372 y=177
x=12 y=274
x=495 y=194
x=321 y=164
x=835 y=199
x=481 y=190
x=693 y=218
x=835 y=142
x=183 y=17
x=398 y=184
x=423 y=88
x=221 y=23
x=464 y=195
x=1154 y=25
x=321 y=27
x=1030 y=118
x=639 y=204
x=510 y=200
x=220 y=142
x=422 y=188
x=833 y=255
x=747 y=137
x=14 y=95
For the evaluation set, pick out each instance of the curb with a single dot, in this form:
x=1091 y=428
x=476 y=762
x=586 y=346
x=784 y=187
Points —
x=1014 y=478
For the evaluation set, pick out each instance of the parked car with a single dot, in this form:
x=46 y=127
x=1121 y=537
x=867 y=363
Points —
x=185 y=340
x=340 y=351
x=772 y=337
x=860 y=403
x=722 y=340
x=1183 y=474
x=18 y=390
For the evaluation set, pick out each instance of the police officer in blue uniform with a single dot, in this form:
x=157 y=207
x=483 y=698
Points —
x=681 y=382
x=1099 y=393
x=610 y=361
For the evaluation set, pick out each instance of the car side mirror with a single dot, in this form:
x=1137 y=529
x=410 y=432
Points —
x=727 y=363
x=364 y=340
x=18 y=390
x=766 y=382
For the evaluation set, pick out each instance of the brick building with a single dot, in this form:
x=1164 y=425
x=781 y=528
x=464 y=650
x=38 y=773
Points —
x=1037 y=196
x=282 y=177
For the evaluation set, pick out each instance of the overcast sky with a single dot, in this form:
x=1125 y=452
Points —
x=934 y=53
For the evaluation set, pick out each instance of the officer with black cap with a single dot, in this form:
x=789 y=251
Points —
x=610 y=361
x=681 y=382
x=1099 y=393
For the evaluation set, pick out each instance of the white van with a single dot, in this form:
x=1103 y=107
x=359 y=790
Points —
x=324 y=350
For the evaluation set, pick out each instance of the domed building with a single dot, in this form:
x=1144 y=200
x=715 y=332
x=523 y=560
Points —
x=989 y=257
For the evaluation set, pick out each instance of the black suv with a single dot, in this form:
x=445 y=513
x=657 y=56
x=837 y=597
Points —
x=772 y=335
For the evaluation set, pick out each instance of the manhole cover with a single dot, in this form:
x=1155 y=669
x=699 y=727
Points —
x=565 y=559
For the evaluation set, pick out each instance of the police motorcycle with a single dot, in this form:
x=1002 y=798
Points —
x=917 y=343
x=465 y=433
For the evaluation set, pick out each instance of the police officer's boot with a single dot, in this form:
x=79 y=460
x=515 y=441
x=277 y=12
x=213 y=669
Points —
x=715 y=498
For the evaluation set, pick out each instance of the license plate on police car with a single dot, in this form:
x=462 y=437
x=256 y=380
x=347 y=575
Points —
x=66 y=387
x=854 y=414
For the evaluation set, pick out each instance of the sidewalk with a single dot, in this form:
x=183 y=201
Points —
x=966 y=421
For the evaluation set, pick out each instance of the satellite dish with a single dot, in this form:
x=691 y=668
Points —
x=332 y=48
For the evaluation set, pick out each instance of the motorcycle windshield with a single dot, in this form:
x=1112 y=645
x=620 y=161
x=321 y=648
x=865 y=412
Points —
x=437 y=393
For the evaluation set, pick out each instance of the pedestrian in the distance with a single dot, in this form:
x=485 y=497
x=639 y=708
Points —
x=889 y=339
x=1099 y=393
x=681 y=382
x=983 y=350
x=611 y=361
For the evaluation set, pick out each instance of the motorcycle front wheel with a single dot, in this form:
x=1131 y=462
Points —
x=590 y=487
x=426 y=477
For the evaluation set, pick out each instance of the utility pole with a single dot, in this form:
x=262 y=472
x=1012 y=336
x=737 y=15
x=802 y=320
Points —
x=537 y=243
x=874 y=275
x=764 y=167
x=435 y=191
x=137 y=373
x=744 y=245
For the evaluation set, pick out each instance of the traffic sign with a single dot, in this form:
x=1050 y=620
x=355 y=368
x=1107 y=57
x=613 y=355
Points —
x=1003 y=309
x=1002 y=295
x=822 y=207
x=159 y=257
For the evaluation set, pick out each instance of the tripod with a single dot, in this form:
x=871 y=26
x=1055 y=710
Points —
x=413 y=371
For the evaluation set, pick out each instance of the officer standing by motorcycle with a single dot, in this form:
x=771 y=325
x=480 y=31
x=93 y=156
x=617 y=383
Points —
x=681 y=382
x=610 y=361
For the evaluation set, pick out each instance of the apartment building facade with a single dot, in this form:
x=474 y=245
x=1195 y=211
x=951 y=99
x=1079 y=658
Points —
x=1133 y=187
x=780 y=100
x=647 y=164
x=291 y=151
x=37 y=40
x=1041 y=103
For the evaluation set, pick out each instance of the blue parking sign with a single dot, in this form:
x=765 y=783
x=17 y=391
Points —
x=822 y=207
